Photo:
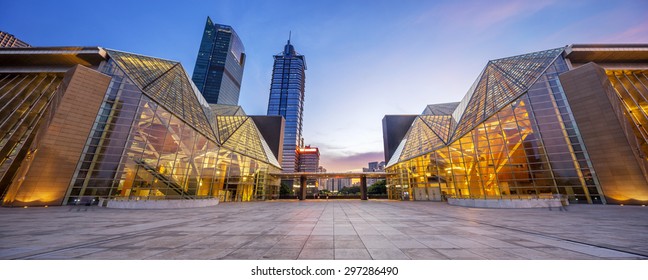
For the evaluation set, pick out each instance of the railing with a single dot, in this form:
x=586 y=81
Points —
x=173 y=185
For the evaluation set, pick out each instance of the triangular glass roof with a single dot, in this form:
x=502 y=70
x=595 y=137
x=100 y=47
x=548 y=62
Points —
x=399 y=150
x=166 y=83
x=420 y=139
x=440 y=109
x=440 y=125
x=227 y=125
x=500 y=82
x=142 y=69
x=227 y=110
x=247 y=140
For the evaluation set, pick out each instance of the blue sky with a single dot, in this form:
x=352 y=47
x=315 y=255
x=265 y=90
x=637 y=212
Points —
x=365 y=59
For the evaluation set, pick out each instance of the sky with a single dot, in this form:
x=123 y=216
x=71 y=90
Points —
x=365 y=59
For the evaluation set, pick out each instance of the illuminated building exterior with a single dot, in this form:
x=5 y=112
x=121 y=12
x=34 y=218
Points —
x=82 y=123
x=287 y=100
x=567 y=121
x=219 y=66
x=308 y=158
x=10 y=41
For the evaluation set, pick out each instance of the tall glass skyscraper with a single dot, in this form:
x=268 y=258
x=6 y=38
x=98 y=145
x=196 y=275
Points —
x=219 y=66
x=287 y=100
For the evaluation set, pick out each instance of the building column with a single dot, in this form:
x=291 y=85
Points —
x=363 y=187
x=302 y=187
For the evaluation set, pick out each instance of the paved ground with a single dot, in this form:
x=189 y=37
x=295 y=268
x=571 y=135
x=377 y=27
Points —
x=325 y=230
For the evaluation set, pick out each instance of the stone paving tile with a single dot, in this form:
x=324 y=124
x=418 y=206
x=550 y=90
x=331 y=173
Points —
x=408 y=244
x=347 y=237
x=535 y=253
x=352 y=254
x=460 y=254
x=349 y=244
x=495 y=254
x=375 y=242
x=316 y=229
x=567 y=254
x=163 y=242
x=424 y=254
x=317 y=254
x=246 y=254
x=263 y=241
x=314 y=244
x=123 y=254
x=282 y=254
x=76 y=253
x=292 y=242
x=438 y=244
x=193 y=254
x=387 y=254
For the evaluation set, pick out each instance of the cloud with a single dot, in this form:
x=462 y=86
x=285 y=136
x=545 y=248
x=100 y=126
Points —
x=483 y=14
x=636 y=34
x=350 y=162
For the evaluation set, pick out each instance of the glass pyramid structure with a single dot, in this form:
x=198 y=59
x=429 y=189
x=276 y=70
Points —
x=511 y=135
x=167 y=83
x=500 y=83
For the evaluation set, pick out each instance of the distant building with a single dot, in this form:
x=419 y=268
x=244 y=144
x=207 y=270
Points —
x=219 y=66
x=336 y=184
x=376 y=166
x=308 y=159
x=10 y=41
x=287 y=100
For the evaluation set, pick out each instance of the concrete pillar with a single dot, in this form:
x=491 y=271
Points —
x=363 y=187
x=302 y=187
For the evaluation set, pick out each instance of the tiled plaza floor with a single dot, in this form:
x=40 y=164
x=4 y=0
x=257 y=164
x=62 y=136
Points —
x=325 y=230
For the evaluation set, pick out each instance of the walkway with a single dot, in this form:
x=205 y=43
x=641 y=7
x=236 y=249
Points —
x=325 y=230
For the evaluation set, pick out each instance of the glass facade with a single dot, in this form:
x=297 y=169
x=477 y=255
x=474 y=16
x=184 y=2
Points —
x=219 y=66
x=631 y=86
x=153 y=139
x=10 y=41
x=26 y=102
x=287 y=100
x=513 y=136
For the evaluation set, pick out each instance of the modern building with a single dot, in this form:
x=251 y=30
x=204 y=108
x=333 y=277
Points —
x=219 y=66
x=287 y=100
x=83 y=123
x=376 y=166
x=336 y=184
x=569 y=121
x=10 y=41
x=308 y=159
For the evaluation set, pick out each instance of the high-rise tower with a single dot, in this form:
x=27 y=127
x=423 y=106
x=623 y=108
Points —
x=10 y=41
x=287 y=100
x=219 y=66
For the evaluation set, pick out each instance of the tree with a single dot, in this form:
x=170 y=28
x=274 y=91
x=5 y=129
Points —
x=350 y=190
x=285 y=190
x=379 y=187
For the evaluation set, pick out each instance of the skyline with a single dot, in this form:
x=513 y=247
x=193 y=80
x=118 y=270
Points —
x=422 y=53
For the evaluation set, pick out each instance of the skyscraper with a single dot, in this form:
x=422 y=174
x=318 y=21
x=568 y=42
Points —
x=10 y=41
x=287 y=100
x=219 y=65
